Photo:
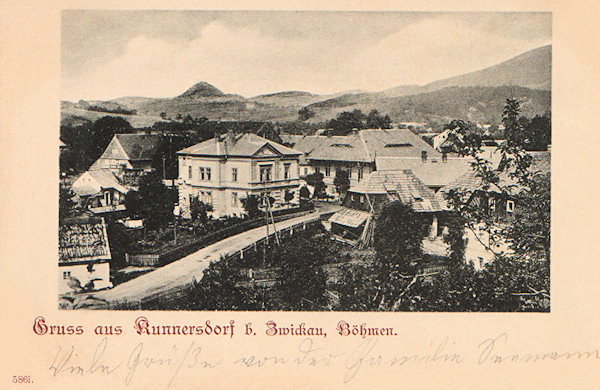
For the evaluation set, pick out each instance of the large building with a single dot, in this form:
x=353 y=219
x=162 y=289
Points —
x=360 y=152
x=225 y=169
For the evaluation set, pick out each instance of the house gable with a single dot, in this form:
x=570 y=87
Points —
x=267 y=151
x=115 y=151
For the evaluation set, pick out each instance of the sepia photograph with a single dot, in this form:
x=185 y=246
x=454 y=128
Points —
x=344 y=161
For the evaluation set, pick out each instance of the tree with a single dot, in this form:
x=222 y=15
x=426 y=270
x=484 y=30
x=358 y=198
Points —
x=304 y=192
x=301 y=280
x=218 y=290
x=538 y=133
x=512 y=126
x=521 y=280
x=341 y=181
x=250 y=204
x=157 y=200
x=315 y=180
x=289 y=195
x=398 y=234
x=199 y=210
x=376 y=121
x=65 y=203
x=133 y=203
x=305 y=114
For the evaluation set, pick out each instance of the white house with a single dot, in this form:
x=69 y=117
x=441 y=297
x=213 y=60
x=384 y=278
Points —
x=83 y=254
x=100 y=191
x=225 y=169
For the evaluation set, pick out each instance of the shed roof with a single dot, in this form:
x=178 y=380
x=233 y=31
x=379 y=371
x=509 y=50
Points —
x=349 y=217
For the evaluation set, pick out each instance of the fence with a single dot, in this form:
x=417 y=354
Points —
x=157 y=260
x=172 y=294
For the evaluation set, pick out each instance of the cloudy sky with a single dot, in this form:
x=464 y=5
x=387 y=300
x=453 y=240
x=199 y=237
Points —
x=108 y=54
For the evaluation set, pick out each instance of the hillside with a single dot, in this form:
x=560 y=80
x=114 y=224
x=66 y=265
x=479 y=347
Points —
x=480 y=104
x=477 y=96
x=532 y=69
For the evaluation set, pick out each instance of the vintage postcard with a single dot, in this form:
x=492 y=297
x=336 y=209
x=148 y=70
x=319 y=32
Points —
x=299 y=196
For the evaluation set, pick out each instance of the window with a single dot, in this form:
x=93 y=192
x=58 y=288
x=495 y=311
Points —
x=317 y=169
x=201 y=173
x=305 y=171
x=265 y=173
x=400 y=145
x=286 y=171
x=360 y=173
x=493 y=204
x=234 y=199
x=190 y=171
x=349 y=173
x=234 y=176
x=444 y=157
x=510 y=206
x=423 y=155
x=66 y=274
x=327 y=170
x=207 y=170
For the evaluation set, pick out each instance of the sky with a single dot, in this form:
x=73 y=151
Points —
x=110 y=54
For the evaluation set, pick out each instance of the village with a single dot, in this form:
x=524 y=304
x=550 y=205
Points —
x=154 y=221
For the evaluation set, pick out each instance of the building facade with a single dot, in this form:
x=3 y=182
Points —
x=84 y=255
x=225 y=169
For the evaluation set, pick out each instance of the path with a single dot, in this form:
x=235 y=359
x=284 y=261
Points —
x=183 y=271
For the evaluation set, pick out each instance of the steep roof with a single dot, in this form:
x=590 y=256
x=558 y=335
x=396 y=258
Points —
x=244 y=145
x=399 y=185
x=432 y=174
x=139 y=146
x=104 y=178
x=83 y=239
x=396 y=143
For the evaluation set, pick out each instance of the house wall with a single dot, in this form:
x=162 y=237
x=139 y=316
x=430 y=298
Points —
x=80 y=271
x=222 y=189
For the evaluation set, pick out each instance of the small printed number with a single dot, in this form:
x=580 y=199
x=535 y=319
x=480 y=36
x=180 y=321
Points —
x=21 y=379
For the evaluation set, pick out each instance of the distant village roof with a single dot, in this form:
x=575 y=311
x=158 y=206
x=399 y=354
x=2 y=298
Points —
x=243 y=145
x=433 y=173
x=139 y=146
x=83 y=240
x=399 y=185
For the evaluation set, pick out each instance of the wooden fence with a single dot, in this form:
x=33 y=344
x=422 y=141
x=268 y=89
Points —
x=175 y=293
x=164 y=258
